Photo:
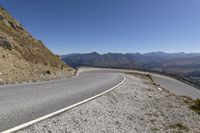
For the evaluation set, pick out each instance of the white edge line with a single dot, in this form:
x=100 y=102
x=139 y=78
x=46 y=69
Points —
x=159 y=89
x=62 y=110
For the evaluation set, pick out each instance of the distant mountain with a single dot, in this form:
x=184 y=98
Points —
x=133 y=60
x=113 y=60
x=24 y=58
x=184 y=65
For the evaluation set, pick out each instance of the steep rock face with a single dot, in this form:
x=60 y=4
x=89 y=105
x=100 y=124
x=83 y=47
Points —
x=23 y=58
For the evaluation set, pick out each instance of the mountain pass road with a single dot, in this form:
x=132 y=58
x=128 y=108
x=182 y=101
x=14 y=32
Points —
x=22 y=103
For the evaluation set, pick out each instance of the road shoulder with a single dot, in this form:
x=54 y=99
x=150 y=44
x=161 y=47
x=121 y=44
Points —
x=136 y=106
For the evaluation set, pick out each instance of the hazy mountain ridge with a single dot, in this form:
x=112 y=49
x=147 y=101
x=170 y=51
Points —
x=22 y=57
x=106 y=60
x=139 y=60
x=184 y=65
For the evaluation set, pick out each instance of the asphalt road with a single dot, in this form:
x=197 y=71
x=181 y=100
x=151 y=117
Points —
x=173 y=85
x=22 y=103
x=176 y=87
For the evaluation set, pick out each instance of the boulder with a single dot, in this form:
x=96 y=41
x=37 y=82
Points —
x=13 y=25
x=1 y=17
x=4 y=42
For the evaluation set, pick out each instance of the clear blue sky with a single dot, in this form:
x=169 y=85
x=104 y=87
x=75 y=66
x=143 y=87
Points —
x=71 y=26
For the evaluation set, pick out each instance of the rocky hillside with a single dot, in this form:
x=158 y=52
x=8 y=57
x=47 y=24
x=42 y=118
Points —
x=23 y=58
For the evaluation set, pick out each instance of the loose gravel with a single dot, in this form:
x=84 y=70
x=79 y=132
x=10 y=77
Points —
x=137 y=106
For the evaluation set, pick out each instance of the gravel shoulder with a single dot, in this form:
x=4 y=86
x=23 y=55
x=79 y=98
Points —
x=136 y=106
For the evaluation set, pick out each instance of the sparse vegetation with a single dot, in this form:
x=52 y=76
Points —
x=193 y=104
x=150 y=78
x=155 y=129
x=23 y=58
x=187 y=100
x=179 y=126
x=70 y=69
x=196 y=106
x=48 y=72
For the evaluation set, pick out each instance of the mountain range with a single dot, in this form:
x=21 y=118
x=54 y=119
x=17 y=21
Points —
x=183 y=65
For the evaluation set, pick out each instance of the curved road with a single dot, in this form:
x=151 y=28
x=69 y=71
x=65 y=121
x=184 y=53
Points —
x=22 y=103
x=173 y=85
x=177 y=87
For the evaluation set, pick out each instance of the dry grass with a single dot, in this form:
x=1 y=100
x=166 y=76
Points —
x=179 y=127
x=26 y=57
x=193 y=104
x=196 y=106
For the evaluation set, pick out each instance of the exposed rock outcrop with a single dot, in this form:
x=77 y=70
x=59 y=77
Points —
x=5 y=43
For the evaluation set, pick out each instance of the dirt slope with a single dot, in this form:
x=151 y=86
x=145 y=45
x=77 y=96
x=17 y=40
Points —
x=24 y=58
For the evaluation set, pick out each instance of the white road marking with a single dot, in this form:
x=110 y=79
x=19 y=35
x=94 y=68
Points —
x=159 y=89
x=60 y=111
